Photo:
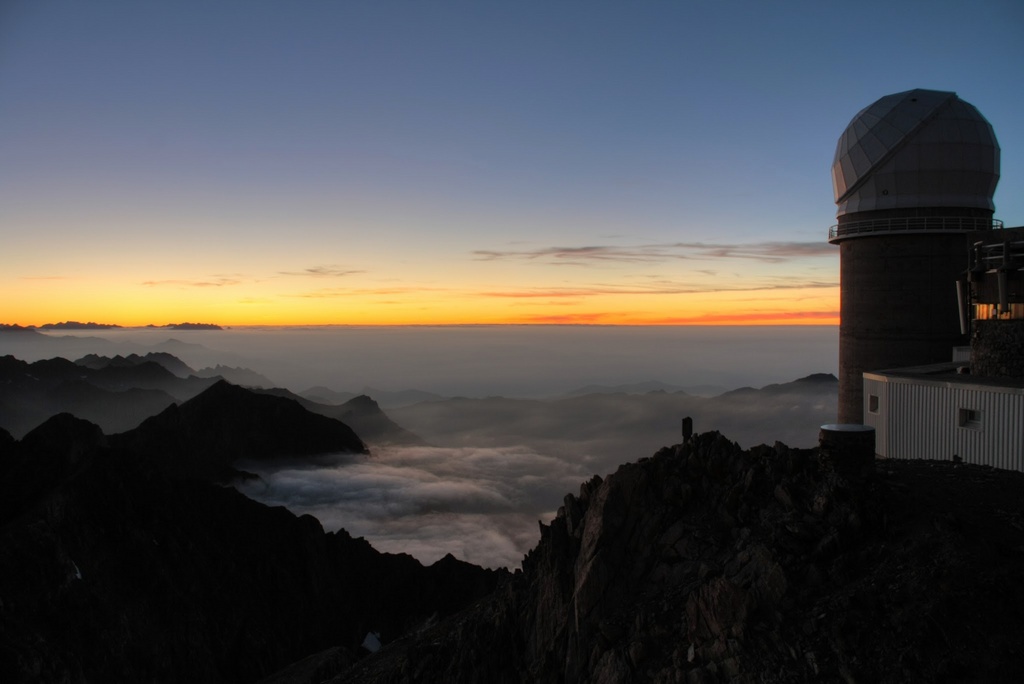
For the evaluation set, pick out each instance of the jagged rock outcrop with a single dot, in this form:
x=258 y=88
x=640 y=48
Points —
x=707 y=563
x=110 y=571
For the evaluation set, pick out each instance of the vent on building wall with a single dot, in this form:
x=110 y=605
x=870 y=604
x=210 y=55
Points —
x=970 y=418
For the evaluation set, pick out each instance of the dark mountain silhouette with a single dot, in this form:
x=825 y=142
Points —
x=325 y=395
x=116 y=396
x=361 y=413
x=206 y=435
x=236 y=376
x=816 y=382
x=114 y=410
x=112 y=571
x=172 y=363
x=193 y=326
x=384 y=398
x=367 y=418
x=6 y=328
x=77 y=325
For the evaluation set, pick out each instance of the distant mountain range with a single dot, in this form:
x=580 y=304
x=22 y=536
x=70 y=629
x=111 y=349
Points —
x=117 y=397
x=118 y=393
x=77 y=325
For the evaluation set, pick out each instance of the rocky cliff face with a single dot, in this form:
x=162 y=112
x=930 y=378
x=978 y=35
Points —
x=706 y=563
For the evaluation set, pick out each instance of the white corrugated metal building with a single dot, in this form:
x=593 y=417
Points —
x=934 y=412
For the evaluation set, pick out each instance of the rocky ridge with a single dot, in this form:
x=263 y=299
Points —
x=702 y=563
x=112 y=570
x=707 y=563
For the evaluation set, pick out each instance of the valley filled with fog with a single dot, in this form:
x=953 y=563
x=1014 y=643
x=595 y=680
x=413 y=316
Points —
x=504 y=420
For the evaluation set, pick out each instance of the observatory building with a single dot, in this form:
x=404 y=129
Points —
x=924 y=270
x=971 y=407
x=913 y=174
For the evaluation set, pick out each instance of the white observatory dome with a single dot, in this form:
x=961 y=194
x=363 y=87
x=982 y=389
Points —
x=917 y=149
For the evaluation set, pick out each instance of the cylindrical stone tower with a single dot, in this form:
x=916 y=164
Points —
x=913 y=174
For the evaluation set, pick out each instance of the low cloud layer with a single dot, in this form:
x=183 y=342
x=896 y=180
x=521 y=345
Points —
x=480 y=504
x=480 y=500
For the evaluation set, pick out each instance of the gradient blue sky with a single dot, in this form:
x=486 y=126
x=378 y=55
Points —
x=454 y=162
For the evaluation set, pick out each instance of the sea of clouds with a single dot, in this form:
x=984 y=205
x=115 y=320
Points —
x=491 y=475
x=481 y=505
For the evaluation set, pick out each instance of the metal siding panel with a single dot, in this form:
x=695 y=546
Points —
x=921 y=420
x=998 y=442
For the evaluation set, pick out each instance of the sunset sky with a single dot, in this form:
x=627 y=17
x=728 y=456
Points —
x=446 y=162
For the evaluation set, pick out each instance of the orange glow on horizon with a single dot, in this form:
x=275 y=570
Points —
x=127 y=305
x=601 y=319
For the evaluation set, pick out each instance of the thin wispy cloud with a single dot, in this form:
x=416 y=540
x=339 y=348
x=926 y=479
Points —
x=766 y=252
x=581 y=256
x=774 y=317
x=661 y=289
x=213 y=282
x=335 y=292
x=754 y=318
x=322 y=272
